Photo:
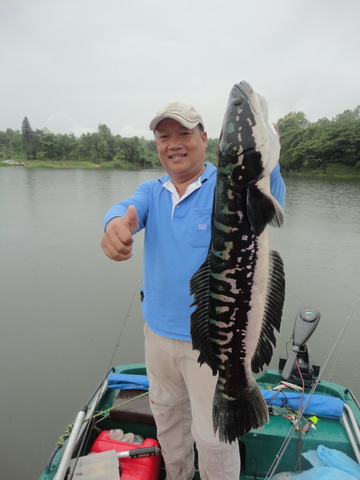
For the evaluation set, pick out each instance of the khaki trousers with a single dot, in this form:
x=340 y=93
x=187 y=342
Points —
x=181 y=398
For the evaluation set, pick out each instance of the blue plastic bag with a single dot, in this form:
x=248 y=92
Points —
x=329 y=464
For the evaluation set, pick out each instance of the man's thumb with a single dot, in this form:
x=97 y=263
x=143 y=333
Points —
x=133 y=218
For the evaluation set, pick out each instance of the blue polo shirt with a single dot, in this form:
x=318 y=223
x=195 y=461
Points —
x=177 y=237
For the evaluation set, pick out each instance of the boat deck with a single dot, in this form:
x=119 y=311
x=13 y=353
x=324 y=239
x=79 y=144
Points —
x=258 y=448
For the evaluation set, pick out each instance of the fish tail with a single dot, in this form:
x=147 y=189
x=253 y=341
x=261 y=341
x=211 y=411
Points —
x=233 y=417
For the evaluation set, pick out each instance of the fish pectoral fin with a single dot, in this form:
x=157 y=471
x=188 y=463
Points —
x=262 y=210
x=274 y=303
x=200 y=335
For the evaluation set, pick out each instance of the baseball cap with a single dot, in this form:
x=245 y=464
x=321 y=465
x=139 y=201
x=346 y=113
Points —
x=181 y=112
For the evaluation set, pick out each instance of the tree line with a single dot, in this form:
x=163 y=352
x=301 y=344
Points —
x=304 y=145
x=101 y=147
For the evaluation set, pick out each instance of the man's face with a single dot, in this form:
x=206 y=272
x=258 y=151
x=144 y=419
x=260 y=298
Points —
x=181 y=151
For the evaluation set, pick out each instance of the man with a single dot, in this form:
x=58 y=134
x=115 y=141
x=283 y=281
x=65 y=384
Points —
x=175 y=211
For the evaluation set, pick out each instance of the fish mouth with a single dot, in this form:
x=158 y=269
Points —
x=239 y=119
x=245 y=90
x=243 y=93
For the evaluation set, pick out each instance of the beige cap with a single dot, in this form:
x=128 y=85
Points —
x=181 y=112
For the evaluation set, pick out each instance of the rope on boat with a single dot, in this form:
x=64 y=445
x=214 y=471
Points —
x=61 y=441
x=108 y=410
x=64 y=436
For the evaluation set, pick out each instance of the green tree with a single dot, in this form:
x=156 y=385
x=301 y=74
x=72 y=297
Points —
x=130 y=154
x=347 y=135
x=27 y=137
x=105 y=144
x=68 y=145
x=87 y=147
x=5 y=142
x=292 y=121
x=212 y=151
x=16 y=145
x=316 y=145
x=347 y=115
x=292 y=129
x=48 y=145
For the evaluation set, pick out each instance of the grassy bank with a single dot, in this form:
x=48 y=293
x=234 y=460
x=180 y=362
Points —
x=335 y=170
x=52 y=164
x=70 y=164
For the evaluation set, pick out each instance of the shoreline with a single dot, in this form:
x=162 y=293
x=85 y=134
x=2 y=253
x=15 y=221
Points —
x=334 y=171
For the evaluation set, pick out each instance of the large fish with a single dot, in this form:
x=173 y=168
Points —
x=239 y=290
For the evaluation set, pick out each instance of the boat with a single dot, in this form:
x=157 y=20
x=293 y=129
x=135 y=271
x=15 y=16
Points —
x=114 y=434
x=15 y=164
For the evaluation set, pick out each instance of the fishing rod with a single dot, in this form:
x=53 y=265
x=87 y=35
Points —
x=123 y=325
x=85 y=414
x=296 y=423
x=65 y=460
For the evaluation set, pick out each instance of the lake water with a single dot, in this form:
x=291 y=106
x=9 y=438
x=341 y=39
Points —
x=65 y=306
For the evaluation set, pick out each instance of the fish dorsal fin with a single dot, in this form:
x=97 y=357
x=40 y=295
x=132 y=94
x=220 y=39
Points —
x=200 y=334
x=262 y=209
x=274 y=303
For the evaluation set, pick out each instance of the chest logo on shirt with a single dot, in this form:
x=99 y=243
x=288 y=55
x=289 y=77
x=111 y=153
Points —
x=202 y=226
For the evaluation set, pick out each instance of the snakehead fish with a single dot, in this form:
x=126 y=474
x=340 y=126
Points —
x=239 y=290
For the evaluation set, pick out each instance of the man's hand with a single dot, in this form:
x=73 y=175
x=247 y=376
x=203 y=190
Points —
x=117 y=241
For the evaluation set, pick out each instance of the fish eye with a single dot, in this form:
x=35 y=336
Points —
x=237 y=102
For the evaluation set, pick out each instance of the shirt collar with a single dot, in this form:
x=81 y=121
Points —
x=174 y=193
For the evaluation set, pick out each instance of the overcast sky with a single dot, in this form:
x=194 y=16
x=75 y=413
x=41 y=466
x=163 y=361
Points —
x=69 y=65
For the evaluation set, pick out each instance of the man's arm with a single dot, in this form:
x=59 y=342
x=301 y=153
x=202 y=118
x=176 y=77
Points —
x=277 y=186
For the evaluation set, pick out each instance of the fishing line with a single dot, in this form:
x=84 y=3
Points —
x=336 y=357
x=296 y=424
x=300 y=440
x=123 y=325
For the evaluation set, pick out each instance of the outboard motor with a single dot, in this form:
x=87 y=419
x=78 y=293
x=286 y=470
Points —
x=305 y=323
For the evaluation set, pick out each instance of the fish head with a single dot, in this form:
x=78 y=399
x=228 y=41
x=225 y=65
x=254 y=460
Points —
x=249 y=145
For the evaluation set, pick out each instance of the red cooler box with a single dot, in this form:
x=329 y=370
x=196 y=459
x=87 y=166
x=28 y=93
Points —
x=141 y=468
